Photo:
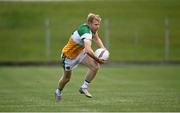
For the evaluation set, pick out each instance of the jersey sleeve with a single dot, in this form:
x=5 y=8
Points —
x=84 y=32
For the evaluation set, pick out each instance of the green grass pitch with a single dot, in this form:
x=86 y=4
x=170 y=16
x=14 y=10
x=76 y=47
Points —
x=125 y=88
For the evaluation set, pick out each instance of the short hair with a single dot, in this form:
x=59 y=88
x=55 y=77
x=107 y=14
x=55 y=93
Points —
x=91 y=17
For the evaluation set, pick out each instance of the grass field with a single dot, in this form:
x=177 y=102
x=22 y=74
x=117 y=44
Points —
x=125 y=88
x=136 y=28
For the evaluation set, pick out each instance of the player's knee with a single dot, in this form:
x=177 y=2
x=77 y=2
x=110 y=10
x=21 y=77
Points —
x=67 y=76
x=95 y=67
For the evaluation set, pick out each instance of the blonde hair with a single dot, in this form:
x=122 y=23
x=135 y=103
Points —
x=92 y=17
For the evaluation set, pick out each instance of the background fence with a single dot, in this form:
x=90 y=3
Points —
x=132 y=30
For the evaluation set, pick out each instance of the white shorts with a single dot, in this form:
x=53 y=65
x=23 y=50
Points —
x=70 y=64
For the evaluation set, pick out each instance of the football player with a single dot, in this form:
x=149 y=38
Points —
x=78 y=50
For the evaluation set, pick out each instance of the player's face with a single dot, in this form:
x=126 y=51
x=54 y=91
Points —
x=95 y=26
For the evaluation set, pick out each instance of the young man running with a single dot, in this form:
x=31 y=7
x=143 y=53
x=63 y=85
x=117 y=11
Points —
x=78 y=50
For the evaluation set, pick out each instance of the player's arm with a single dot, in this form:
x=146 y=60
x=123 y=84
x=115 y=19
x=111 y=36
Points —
x=98 y=41
x=90 y=52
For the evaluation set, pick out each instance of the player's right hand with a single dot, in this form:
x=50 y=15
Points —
x=102 y=61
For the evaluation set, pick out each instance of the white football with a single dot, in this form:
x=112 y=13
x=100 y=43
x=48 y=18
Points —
x=102 y=53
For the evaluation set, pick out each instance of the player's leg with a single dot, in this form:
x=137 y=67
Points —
x=65 y=78
x=93 y=69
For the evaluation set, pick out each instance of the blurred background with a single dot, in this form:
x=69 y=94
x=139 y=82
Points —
x=133 y=30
